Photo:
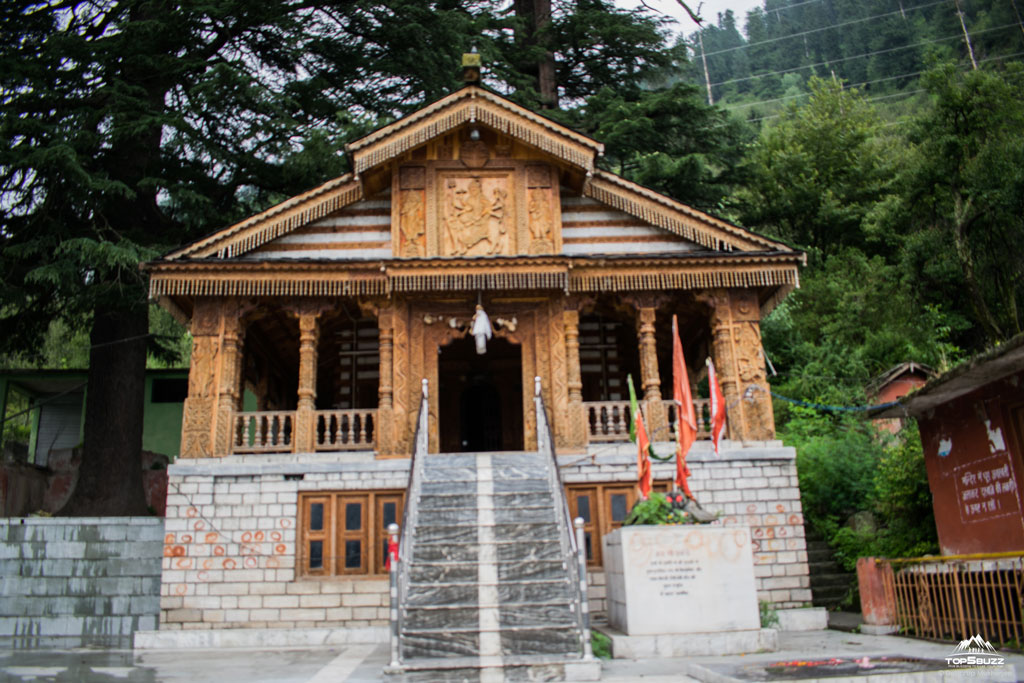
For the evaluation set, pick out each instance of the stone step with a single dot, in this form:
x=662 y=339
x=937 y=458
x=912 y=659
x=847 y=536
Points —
x=469 y=572
x=824 y=567
x=502 y=500
x=434 y=617
x=518 y=668
x=538 y=533
x=837 y=579
x=468 y=595
x=443 y=642
x=819 y=554
x=508 y=551
x=512 y=485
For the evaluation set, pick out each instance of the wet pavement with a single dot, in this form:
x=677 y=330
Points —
x=859 y=657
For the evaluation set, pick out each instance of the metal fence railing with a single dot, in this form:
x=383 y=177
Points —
x=954 y=597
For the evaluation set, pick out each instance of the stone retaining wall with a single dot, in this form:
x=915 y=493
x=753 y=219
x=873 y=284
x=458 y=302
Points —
x=230 y=540
x=90 y=580
x=230 y=544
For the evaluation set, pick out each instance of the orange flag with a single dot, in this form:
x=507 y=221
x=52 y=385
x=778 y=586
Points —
x=686 y=421
x=717 y=406
x=643 y=461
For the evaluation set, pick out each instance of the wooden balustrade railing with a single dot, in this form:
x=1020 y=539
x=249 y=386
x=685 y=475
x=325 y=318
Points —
x=609 y=420
x=263 y=431
x=340 y=430
x=701 y=410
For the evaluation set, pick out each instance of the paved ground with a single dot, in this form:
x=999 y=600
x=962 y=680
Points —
x=363 y=663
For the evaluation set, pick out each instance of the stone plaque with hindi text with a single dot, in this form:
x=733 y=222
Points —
x=680 y=579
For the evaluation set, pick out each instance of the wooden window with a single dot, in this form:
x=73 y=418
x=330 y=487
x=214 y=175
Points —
x=344 y=533
x=603 y=507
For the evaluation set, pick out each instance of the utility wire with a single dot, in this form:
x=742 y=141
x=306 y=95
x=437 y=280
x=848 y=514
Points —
x=825 y=28
x=853 y=85
x=860 y=56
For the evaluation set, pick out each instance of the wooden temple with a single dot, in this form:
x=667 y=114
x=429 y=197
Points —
x=315 y=321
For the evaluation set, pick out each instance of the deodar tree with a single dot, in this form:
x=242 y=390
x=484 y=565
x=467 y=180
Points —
x=129 y=127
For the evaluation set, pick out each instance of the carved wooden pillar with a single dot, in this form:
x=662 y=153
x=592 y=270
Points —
x=385 y=426
x=229 y=386
x=304 y=429
x=576 y=413
x=654 y=411
x=198 y=414
x=739 y=362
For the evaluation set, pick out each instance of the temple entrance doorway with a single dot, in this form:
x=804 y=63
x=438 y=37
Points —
x=480 y=397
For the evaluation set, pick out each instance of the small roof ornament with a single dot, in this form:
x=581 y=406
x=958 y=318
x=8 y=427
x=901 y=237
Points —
x=471 y=66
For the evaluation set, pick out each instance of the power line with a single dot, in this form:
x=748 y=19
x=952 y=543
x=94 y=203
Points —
x=856 y=85
x=860 y=56
x=825 y=28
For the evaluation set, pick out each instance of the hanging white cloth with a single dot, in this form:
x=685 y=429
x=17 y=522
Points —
x=481 y=329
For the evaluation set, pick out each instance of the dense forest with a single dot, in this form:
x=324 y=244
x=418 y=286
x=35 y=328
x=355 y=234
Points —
x=881 y=136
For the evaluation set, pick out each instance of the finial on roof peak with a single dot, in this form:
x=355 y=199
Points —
x=471 y=66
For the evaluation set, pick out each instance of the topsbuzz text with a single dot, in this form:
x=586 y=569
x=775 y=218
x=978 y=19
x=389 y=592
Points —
x=974 y=660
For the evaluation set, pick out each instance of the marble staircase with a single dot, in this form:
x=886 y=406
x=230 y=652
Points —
x=490 y=590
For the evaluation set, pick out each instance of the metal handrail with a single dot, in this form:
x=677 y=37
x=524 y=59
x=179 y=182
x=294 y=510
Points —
x=410 y=514
x=571 y=547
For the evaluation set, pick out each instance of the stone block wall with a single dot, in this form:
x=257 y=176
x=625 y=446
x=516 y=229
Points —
x=753 y=484
x=229 y=549
x=86 y=580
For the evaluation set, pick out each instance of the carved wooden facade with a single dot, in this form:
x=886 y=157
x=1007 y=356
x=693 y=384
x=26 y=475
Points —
x=470 y=200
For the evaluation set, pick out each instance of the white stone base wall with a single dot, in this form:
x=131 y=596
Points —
x=753 y=484
x=230 y=531
x=230 y=544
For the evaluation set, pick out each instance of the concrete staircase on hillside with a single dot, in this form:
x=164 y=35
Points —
x=490 y=593
x=829 y=583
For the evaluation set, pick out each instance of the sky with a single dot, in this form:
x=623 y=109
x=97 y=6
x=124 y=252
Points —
x=709 y=10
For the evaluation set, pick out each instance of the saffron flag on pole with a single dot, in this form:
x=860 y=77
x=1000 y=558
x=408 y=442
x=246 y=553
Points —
x=643 y=461
x=717 y=406
x=634 y=409
x=686 y=421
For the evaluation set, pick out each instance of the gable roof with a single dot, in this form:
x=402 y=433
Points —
x=467 y=105
x=470 y=104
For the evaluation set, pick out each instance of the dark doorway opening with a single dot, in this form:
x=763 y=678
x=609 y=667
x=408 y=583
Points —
x=480 y=397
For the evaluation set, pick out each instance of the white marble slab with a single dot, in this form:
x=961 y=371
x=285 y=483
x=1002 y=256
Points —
x=680 y=579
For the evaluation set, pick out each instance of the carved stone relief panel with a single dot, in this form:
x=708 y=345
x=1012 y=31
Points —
x=476 y=213
x=409 y=240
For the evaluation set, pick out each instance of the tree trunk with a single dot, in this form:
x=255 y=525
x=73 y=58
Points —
x=962 y=218
x=536 y=14
x=110 y=476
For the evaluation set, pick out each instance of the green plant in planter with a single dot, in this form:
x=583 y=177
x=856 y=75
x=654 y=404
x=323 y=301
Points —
x=658 y=510
x=655 y=510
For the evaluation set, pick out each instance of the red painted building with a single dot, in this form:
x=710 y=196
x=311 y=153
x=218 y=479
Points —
x=894 y=384
x=972 y=429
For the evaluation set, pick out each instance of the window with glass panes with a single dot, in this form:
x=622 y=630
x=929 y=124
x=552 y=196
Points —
x=603 y=507
x=344 y=533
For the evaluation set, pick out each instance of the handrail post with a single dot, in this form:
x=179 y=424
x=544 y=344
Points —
x=584 y=611
x=393 y=580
